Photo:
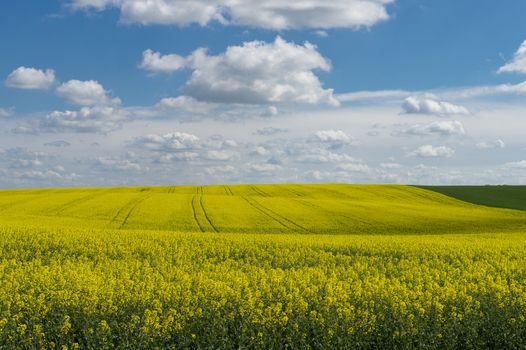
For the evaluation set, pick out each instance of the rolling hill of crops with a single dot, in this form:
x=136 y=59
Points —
x=343 y=209
x=259 y=267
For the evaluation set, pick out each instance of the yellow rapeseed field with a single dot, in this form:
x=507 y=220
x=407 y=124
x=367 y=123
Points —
x=338 y=266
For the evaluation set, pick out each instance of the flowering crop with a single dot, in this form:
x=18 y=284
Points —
x=64 y=285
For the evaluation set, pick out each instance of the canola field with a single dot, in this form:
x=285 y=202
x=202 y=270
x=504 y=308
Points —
x=259 y=267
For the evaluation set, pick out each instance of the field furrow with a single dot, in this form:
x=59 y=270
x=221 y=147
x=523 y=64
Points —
x=275 y=216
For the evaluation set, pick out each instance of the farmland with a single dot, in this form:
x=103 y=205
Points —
x=511 y=197
x=266 y=266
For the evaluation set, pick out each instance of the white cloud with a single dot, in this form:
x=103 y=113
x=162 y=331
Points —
x=478 y=91
x=354 y=167
x=25 y=130
x=260 y=151
x=6 y=112
x=270 y=131
x=119 y=164
x=431 y=105
x=169 y=142
x=442 y=128
x=179 y=156
x=321 y=33
x=373 y=95
x=101 y=119
x=30 y=78
x=265 y=167
x=276 y=15
x=58 y=144
x=390 y=165
x=318 y=155
x=154 y=62
x=185 y=103
x=450 y=93
x=518 y=63
x=490 y=144
x=517 y=165
x=85 y=93
x=220 y=155
x=19 y=157
x=334 y=138
x=429 y=151
x=259 y=73
x=226 y=169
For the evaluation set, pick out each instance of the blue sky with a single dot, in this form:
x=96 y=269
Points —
x=404 y=91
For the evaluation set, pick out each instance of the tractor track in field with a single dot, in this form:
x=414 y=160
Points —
x=9 y=205
x=341 y=195
x=295 y=192
x=132 y=205
x=283 y=221
x=259 y=191
x=339 y=215
x=194 y=212
x=228 y=191
x=197 y=205
x=62 y=208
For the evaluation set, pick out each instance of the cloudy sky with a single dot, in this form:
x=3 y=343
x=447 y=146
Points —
x=137 y=92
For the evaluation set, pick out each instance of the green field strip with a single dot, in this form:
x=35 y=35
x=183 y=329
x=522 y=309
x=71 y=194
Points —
x=507 y=197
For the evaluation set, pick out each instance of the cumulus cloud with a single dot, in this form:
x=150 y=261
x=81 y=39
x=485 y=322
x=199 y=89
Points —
x=6 y=112
x=25 y=130
x=430 y=151
x=354 y=167
x=181 y=146
x=219 y=155
x=186 y=104
x=58 y=144
x=518 y=63
x=260 y=151
x=490 y=144
x=517 y=165
x=169 y=142
x=85 y=93
x=154 y=62
x=333 y=138
x=258 y=73
x=97 y=119
x=114 y=163
x=276 y=15
x=226 y=169
x=442 y=128
x=390 y=165
x=321 y=33
x=267 y=168
x=430 y=105
x=20 y=157
x=30 y=78
x=319 y=155
x=269 y=131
